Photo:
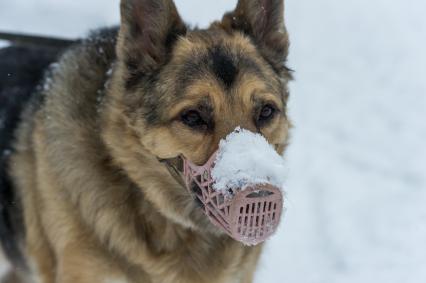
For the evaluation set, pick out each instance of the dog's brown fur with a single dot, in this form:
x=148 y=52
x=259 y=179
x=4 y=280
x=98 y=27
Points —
x=98 y=204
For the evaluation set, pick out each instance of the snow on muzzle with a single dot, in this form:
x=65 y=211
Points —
x=249 y=214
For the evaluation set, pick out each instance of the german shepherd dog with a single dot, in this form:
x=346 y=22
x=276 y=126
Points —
x=90 y=179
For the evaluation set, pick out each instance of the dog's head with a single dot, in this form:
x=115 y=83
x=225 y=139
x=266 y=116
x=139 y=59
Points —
x=180 y=91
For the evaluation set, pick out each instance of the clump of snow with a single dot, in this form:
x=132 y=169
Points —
x=246 y=158
x=109 y=72
x=4 y=44
x=48 y=81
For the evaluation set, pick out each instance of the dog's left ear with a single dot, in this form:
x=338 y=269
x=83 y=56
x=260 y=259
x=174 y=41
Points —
x=263 y=21
x=148 y=31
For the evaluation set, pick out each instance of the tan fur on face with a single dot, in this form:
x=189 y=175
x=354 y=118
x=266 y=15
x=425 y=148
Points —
x=172 y=138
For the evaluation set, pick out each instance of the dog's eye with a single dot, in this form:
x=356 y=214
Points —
x=193 y=119
x=266 y=114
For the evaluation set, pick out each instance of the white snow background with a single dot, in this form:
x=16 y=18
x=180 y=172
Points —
x=356 y=195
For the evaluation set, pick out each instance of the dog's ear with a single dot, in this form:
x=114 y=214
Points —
x=263 y=21
x=149 y=29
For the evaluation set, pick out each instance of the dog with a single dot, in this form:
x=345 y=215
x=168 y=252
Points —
x=91 y=182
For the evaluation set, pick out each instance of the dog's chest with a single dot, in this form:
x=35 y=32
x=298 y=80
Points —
x=234 y=279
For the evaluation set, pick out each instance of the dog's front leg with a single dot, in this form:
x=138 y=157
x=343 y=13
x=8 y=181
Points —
x=87 y=265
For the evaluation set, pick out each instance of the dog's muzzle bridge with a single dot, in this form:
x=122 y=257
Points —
x=250 y=214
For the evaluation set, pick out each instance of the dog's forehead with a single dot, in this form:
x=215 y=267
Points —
x=226 y=58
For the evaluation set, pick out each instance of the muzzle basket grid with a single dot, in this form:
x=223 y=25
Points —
x=250 y=215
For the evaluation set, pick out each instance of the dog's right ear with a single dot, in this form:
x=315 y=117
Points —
x=149 y=29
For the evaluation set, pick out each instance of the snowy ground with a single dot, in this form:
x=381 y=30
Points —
x=357 y=185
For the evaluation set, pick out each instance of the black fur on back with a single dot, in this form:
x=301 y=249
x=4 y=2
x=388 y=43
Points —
x=21 y=69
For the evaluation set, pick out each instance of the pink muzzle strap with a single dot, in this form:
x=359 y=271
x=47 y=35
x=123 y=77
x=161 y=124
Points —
x=250 y=214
